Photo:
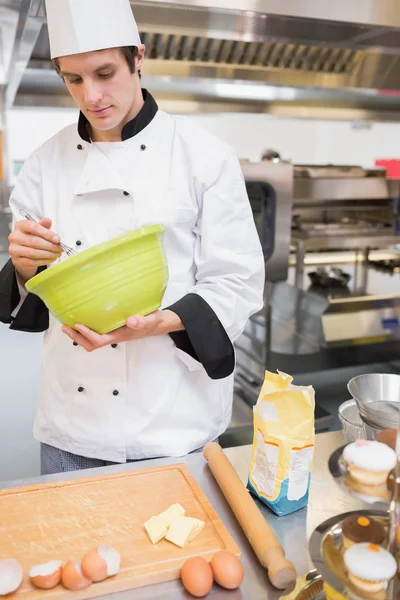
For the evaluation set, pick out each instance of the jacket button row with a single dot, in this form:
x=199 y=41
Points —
x=80 y=147
x=126 y=193
x=114 y=345
x=75 y=343
x=143 y=147
x=78 y=243
x=82 y=389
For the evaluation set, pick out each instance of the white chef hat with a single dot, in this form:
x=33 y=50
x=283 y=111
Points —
x=77 y=26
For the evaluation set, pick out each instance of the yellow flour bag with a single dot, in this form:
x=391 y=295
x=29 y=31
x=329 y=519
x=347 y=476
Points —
x=283 y=445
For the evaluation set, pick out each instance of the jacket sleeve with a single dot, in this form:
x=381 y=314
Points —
x=31 y=315
x=229 y=273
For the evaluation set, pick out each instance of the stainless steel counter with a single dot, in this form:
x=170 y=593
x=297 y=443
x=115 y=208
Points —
x=293 y=531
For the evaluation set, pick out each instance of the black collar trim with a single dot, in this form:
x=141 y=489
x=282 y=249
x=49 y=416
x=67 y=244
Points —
x=132 y=128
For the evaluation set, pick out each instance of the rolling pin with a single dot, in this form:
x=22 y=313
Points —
x=263 y=540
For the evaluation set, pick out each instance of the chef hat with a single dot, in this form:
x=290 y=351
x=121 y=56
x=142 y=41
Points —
x=77 y=26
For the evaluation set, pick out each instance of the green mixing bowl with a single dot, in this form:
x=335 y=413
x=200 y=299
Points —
x=104 y=285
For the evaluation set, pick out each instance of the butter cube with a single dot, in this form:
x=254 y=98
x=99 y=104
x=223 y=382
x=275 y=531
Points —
x=196 y=529
x=183 y=530
x=173 y=512
x=156 y=529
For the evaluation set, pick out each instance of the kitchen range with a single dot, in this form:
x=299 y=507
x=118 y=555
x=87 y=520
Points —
x=332 y=296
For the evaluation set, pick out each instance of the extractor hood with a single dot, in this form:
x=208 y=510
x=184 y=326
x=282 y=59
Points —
x=301 y=57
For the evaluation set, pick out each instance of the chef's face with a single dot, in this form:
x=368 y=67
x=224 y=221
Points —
x=104 y=87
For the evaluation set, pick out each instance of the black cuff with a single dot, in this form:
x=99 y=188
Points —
x=9 y=292
x=204 y=338
x=33 y=316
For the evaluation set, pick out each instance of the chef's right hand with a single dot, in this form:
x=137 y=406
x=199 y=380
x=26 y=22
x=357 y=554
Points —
x=33 y=245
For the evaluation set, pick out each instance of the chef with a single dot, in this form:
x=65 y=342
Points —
x=162 y=385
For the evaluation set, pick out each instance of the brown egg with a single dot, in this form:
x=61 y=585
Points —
x=72 y=577
x=46 y=576
x=227 y=570
x=100 y=563
x=11 y=576
x=388 y=437
x=197 y=577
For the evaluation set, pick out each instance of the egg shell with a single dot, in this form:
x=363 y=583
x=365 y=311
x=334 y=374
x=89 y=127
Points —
x=72 y=577
x=197 y=576
x=227 y=570
x=94 y=567
x=101 y=562
x=11 y=576
x=46 y=576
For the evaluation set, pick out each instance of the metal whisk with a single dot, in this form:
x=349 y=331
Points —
x=67 y=249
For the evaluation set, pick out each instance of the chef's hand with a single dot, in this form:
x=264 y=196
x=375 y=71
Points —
x=33 y=245
x=156 y=323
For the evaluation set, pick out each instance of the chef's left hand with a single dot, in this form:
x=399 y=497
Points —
x=156 y=323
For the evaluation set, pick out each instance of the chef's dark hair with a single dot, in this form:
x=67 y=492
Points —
x=129 y=52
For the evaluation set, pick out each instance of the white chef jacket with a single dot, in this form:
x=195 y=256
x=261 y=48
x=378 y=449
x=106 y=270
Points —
x=145 y=398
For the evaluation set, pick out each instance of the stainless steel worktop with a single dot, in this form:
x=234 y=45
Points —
x=293 y=531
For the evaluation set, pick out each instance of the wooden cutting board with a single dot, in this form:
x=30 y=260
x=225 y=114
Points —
x=56 y=521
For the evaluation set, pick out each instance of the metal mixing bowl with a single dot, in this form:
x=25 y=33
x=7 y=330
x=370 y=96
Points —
x=378 y=399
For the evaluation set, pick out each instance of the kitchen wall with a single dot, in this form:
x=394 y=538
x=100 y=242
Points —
x=20 y=356
x=299 y=140
x=306 y=141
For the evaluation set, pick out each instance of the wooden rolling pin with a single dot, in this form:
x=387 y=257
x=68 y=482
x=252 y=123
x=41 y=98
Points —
x=263 y=540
